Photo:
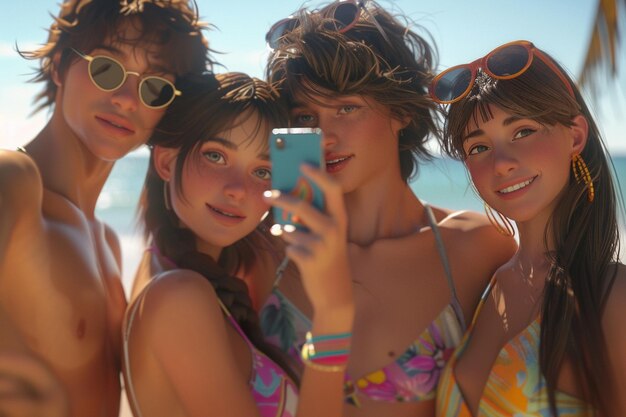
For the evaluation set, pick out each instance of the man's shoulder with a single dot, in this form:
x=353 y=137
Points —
x=20 y=180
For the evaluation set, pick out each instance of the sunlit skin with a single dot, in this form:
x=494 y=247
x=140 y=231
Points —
x=220 y=198
x=208 y=373
x=60 y=266
x=518 y=166
x=360 y=138
x=531 y=161
x=391 y=249
x=111 y=124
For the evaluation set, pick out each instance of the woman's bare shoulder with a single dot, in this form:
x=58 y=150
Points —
x=172 y=290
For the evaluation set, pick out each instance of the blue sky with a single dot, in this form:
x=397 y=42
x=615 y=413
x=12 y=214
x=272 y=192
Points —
x=462 y=29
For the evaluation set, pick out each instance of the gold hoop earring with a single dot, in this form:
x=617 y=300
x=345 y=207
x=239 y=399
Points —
x=166 y=196
x=581 y=173
x=503 y=226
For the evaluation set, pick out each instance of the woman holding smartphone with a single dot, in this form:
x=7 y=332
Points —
x=192 y=344
x=361 y=75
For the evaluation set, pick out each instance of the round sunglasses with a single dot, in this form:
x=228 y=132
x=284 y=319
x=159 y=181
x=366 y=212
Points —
x=109 y=74
x=342 y=15
x=503 y=63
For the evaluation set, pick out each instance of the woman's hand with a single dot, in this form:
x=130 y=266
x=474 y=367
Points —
x=321 y=252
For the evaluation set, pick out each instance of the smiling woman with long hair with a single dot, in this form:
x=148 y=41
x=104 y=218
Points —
x=548 y=337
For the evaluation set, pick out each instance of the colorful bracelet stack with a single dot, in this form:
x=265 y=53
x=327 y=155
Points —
x=327 y=353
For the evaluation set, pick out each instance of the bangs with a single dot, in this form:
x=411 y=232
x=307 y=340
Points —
x=538 y=94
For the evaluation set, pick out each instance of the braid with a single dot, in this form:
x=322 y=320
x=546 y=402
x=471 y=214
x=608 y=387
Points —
x=210 y=105
x=178 y=244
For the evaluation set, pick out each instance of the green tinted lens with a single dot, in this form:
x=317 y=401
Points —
x=156 y=92
x=106 y=73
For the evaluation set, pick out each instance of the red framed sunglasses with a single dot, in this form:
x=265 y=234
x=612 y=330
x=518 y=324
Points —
x=342 y=15
x=503 y=63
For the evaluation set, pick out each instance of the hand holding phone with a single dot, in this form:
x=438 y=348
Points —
x=289 y=149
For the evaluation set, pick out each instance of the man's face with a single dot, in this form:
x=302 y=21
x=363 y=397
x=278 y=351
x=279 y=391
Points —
x=111 y=123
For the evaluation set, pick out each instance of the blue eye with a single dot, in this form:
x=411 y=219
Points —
x=263 y=173
x=304 y=119
x=214 y=157
x=477 y=149
x=522 y=133
x=347 y=109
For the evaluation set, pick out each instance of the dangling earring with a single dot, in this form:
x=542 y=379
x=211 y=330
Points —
x=166 y=195
x=503 y=226
x=581 y=173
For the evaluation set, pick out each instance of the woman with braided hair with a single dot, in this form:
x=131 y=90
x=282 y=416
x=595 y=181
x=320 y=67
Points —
x=192 y=343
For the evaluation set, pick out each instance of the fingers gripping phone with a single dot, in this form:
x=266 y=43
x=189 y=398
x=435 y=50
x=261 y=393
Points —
x=289 y=149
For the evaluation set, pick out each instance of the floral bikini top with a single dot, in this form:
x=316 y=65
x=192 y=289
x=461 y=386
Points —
x=515 y=386
x=413 y=376
x=274 y=393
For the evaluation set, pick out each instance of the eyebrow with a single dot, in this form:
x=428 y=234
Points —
x=230 y=145
x=154 y=67
x=506 y=122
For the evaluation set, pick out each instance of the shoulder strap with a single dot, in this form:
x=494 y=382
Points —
x=130 y=389
x=234 y=323
x=456 y=305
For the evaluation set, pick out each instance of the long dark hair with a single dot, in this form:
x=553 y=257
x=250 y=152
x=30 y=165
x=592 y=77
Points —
x=211 y=104
x=380 y=57
x=585 y=235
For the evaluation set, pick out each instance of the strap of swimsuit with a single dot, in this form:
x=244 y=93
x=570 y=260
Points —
x=456 y=305
x=130 y=389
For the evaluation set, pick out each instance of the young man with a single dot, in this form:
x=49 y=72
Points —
x=109 y=68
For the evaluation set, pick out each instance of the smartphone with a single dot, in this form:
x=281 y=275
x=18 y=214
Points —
x=289 y=149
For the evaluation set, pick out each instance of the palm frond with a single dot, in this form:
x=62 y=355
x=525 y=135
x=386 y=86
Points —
x=604 y=44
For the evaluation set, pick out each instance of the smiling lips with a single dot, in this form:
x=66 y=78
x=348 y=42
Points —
x=517 y=186
x=335 y=163
x=226 y=216
x=117 y=123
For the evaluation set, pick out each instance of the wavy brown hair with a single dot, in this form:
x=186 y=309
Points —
x=210 y=105
x=172 y=26
x=380 y=57
x=585 y=235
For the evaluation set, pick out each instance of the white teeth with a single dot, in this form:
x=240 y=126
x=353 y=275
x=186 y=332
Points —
x=224 y=213
x=516 y=187
x=116 y=125
x=334 y=161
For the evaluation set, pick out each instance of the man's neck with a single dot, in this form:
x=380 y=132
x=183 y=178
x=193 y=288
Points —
x=68 y=168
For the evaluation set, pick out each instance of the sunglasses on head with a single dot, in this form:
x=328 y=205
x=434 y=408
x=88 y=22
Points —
x=342 y=15
x=503 y=63
x=108 y=75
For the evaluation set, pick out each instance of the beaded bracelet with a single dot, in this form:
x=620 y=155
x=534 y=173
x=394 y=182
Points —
x=327 y=353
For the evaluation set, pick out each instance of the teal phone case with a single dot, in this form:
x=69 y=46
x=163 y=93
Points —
x=290 y=148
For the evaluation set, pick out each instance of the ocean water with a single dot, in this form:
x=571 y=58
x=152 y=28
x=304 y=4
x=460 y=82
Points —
x=442 y=182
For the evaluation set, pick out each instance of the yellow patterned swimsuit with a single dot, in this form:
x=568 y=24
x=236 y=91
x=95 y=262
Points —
x=515 y=386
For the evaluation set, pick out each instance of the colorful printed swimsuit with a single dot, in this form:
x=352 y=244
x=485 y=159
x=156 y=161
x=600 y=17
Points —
x=411 y=377
x=515 y=386
x=273 y=391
